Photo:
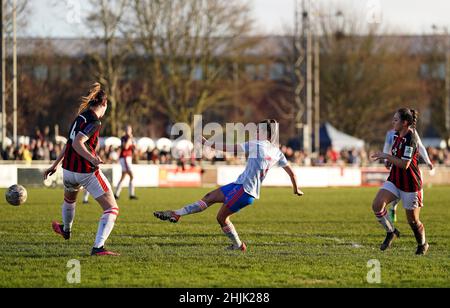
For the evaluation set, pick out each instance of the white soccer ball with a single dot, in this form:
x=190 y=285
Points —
x=16 y=195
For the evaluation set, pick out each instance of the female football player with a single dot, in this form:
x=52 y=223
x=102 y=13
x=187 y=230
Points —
x=81 y=168
x=388 y=143
x=126 y=162
x=263 y=154
x=404 y=182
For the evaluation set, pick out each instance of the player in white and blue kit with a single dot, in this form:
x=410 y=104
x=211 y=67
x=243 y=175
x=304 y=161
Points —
x=388 y=143
x=263 y=154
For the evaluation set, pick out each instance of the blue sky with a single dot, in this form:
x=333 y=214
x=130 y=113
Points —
x=51 y=18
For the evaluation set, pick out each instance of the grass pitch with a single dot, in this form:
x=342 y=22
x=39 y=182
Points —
x=324 y=239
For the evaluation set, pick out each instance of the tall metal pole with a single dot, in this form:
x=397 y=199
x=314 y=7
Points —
x=15 y=71
x=447 y=96
x=3 y=77
x=299 y=68
x=317 y=94
x=303 y=72
x=309 y=80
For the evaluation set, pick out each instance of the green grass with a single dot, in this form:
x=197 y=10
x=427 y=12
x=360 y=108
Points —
x=324 y=239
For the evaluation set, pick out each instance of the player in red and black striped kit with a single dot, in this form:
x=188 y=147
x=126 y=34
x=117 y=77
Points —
x=126 y=162
x=404 y=182
x=88 y=124
x=407 y=180
x=80 y=169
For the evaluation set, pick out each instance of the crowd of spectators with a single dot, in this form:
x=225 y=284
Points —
x=43 y=148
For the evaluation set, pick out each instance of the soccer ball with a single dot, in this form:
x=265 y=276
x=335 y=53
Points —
x=16 y=195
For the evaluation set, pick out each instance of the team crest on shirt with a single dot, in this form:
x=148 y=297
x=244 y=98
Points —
x=408 y=152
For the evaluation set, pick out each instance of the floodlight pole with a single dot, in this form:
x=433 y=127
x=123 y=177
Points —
x=15 y=71
x=3 y=76
x=303 y=72
x=317 y=94
x=447 y=84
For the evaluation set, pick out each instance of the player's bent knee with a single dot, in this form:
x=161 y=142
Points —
x=221 y=219
x=377 y=206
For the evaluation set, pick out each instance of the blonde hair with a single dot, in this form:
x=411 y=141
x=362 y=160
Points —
x=94 y=98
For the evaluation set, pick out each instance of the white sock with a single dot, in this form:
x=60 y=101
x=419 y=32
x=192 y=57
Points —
x=119 y=189
x=384 y=220
x=105 y=226
x=68 y=214
x=230 y=231
x=131 y=189
x=196 y=207
x=86 y=196
x=395 y=204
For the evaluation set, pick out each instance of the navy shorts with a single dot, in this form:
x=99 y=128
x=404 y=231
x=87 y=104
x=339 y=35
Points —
x=235 y=197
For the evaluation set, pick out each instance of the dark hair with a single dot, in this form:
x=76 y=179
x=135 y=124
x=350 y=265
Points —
x=409 y=115
x=94 y=98
x=271 y=127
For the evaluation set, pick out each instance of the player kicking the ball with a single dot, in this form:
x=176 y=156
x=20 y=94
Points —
x=80 y=168
x=263 y=154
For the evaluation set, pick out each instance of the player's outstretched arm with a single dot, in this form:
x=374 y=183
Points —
x=401 y=163
x=50 y=171
x=293 y=177
x=234 y=148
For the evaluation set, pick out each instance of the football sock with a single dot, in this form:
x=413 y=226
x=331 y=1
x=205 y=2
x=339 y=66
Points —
x=230 y=231
x=86 y=197
x=118 y=189
x=105 y=226
x=68 y=214
x=395 y=204
x=196 y=207
x=131 y=189
x=419 y=233
x=384 y=220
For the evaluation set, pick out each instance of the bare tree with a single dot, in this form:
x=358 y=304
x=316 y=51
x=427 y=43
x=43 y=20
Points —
x=365 y=76
x=190 y=47
x=22 y=11
x=106 y=21
x=433 y=71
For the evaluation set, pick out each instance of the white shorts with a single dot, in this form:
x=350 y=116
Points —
x=95 y=183
x=126 y=163
x=410 y=200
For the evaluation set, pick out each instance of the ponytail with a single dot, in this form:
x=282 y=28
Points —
x=94 y=98
x=415 y=115
x=409 y=115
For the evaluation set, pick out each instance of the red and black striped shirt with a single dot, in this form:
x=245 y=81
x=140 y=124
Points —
x=407 y=180
x=126 y=151
x=89 y=125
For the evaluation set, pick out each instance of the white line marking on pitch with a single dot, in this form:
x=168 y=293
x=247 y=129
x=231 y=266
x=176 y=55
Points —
x=341 y=241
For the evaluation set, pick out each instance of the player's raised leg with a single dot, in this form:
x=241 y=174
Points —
x=209 y=199
x=383 y=198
